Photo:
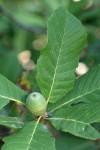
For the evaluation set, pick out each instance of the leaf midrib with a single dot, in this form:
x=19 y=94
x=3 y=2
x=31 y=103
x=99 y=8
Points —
x=76 y=121
x=72 y=100
x=53 y=81
x=10 y=98
x=34 y=130
x=11 y=122
x=68 y=120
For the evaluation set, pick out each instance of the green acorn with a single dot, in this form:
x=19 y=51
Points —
x=36 y=103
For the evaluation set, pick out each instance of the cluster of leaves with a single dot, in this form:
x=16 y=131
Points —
x=72 y=107
x=19 y=17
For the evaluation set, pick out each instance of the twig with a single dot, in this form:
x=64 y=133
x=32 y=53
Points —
x=51 y=128
x=32 y=28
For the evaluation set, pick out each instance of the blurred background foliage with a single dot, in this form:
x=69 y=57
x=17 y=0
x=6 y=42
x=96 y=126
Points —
x=23 y=33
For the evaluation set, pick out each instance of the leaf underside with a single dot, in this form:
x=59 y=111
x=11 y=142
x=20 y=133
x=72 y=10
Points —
x=30 y=138
x=58 y=61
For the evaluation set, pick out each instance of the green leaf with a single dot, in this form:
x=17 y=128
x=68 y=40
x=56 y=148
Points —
x=79 y=117
x=80 y=107
x=10 y=91
x=70 y=142
x=86 y=89
x=3 y=102
x=75 y=127
x=85 y=112
x=11 y=122
x=58 y=60
x=32 y=137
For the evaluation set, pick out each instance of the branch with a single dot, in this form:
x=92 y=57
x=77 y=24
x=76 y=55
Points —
x=32 y=28
x=51 y=128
